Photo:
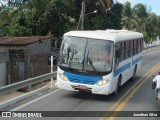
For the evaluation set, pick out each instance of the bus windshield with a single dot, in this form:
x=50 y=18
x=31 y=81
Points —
x=86 y=55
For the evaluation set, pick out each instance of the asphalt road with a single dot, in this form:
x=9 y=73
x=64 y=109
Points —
x=133 y=96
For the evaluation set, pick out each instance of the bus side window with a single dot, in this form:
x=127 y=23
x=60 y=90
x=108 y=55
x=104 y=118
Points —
x=125 y=50
x=137 y=44
x=129 y=49
x=117 y=53
x=122 y=51
x=133 y=52
x=141 y=44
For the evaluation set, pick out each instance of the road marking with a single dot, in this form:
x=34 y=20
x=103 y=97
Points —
x=124 y=102
x=125 y=95
x=39 y=98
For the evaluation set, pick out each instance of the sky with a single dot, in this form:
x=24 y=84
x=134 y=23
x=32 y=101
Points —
x=154 y=4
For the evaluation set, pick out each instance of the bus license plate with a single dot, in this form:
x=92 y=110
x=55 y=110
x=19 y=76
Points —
x=81 y=87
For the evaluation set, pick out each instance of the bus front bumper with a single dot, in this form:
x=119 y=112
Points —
x=95 y=89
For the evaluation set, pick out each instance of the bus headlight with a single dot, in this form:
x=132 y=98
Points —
x=102 y=82
x=63 y=77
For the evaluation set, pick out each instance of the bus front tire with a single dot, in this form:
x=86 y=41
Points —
x=118 y=85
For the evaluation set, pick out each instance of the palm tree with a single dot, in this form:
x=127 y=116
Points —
x=151 y=25
x=141 y=14
x=128 y=18
x=106 y=4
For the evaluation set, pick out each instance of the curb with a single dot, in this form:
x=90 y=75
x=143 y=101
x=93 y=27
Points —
x=150 y=49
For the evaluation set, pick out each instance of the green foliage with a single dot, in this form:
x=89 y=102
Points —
x=128 y=20
x=140 y=14
x=110 y=20
x=139 y=19
x=146 y=37
x=43 y=17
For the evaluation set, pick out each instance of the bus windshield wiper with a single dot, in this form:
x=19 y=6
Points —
x=90 y=62
x=70 y=60
x=69 y=64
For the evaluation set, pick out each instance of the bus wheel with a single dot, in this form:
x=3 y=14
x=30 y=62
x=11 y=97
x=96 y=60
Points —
x=118 y=85
x=134 y=74
x=81 y=92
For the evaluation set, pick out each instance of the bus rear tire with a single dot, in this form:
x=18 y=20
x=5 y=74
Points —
x=134 y=74
x=118 y=85
x=81 y=92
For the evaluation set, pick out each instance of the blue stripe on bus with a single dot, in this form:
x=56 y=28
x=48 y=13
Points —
x=82 y=79
x=121 y=69
x=126 y=66
x=137 y=60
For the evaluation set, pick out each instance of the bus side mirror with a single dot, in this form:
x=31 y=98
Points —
x=117 y=56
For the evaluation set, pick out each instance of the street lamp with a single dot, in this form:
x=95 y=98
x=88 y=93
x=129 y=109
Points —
x=91 y=12
x=81 y=19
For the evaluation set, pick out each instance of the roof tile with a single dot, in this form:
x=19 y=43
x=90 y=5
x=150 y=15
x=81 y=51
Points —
x=21 y=40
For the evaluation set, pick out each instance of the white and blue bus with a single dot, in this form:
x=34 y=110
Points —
x=99 y=61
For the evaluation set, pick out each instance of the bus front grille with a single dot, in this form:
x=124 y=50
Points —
x=89 y=82
x=75 y=80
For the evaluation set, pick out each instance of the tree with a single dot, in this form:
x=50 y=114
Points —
x=128 y=19
x=141 y=14
x=105 y=5
x=43 y=17
x=151 y=26
x=12 y=20
x=102 y=6
x=61 y=17
x=111 y=20
x=158 y=26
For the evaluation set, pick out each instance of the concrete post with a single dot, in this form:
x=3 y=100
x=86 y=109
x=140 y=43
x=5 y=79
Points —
x=51 y=70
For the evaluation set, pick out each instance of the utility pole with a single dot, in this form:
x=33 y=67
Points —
x=82 y=15
x=81 y=18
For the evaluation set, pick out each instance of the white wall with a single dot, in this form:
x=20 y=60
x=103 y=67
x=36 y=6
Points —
x=154 y=43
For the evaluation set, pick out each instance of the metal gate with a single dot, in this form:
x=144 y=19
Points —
x=3 y=74
x=21 y=71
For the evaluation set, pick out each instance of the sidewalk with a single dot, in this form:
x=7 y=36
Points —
x=15 y=94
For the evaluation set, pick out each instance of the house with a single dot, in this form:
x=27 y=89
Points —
x=4 y=58
x=28 y=56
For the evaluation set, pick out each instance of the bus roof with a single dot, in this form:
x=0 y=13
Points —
x=113 y=35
